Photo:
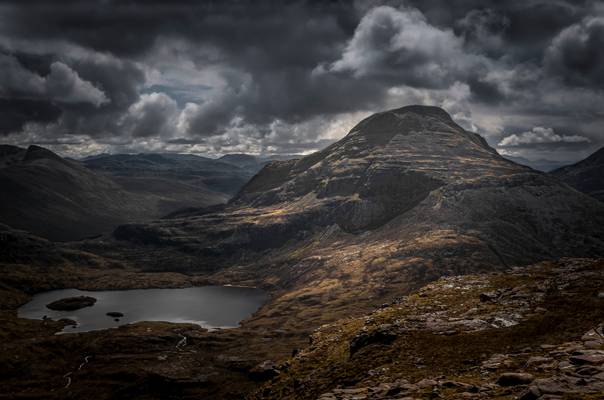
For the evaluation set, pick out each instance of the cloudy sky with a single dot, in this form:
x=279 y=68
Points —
x=264 y=77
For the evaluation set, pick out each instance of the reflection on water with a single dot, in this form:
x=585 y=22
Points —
x=207 y=306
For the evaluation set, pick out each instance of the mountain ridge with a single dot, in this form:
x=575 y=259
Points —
x=586 y=175
x=63 y=200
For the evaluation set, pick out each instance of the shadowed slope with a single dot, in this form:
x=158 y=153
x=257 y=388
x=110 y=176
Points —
x=63 y=200
x=586 y=176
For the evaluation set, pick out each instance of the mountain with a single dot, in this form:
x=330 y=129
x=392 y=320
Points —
x=63 y=200
x=407 y=196
x=243 y=161
x=158 y=172
x=539 y=164
x=586 y=176
x=255 y=162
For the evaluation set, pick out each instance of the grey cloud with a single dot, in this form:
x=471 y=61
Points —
x=16 y=113
x=154 y=114
x=62 y=84
x=483 y=31
x=291 y=64
x=576 y=55
x=65 y=85
x=402 y=45
x=18 y=82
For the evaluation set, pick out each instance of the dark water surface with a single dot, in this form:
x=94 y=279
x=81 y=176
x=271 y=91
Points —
x=207 y=306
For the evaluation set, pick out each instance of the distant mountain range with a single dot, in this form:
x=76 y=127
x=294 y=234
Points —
x=225 y=175
x=58 y=199
x=63 y=199
x=157 y=172
x=66 y=199
x=539 y=164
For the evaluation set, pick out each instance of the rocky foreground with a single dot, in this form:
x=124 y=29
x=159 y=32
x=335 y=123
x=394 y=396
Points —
x=532 y=333
x=456 y=337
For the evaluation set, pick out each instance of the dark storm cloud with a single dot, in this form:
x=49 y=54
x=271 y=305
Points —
x=15 y=113
x=576 y=54
x=226 y=73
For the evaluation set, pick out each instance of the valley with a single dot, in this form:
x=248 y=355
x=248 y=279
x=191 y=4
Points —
x=408 y=258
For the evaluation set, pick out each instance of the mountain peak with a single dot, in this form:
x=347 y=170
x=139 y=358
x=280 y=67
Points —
x=382 y=127
x=386 y=165
x=36 y=153
x=431 y=111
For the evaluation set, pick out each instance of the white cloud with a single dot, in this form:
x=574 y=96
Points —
x=539 y=135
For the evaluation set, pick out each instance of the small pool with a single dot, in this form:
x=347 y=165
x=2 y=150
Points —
x=207 y=306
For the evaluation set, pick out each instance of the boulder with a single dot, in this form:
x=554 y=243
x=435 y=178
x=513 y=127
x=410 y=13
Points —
x=514 y=379
x=382 y=335
x=264 y=371
x=532 y=393
x=489 y=296
x=588 y=357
